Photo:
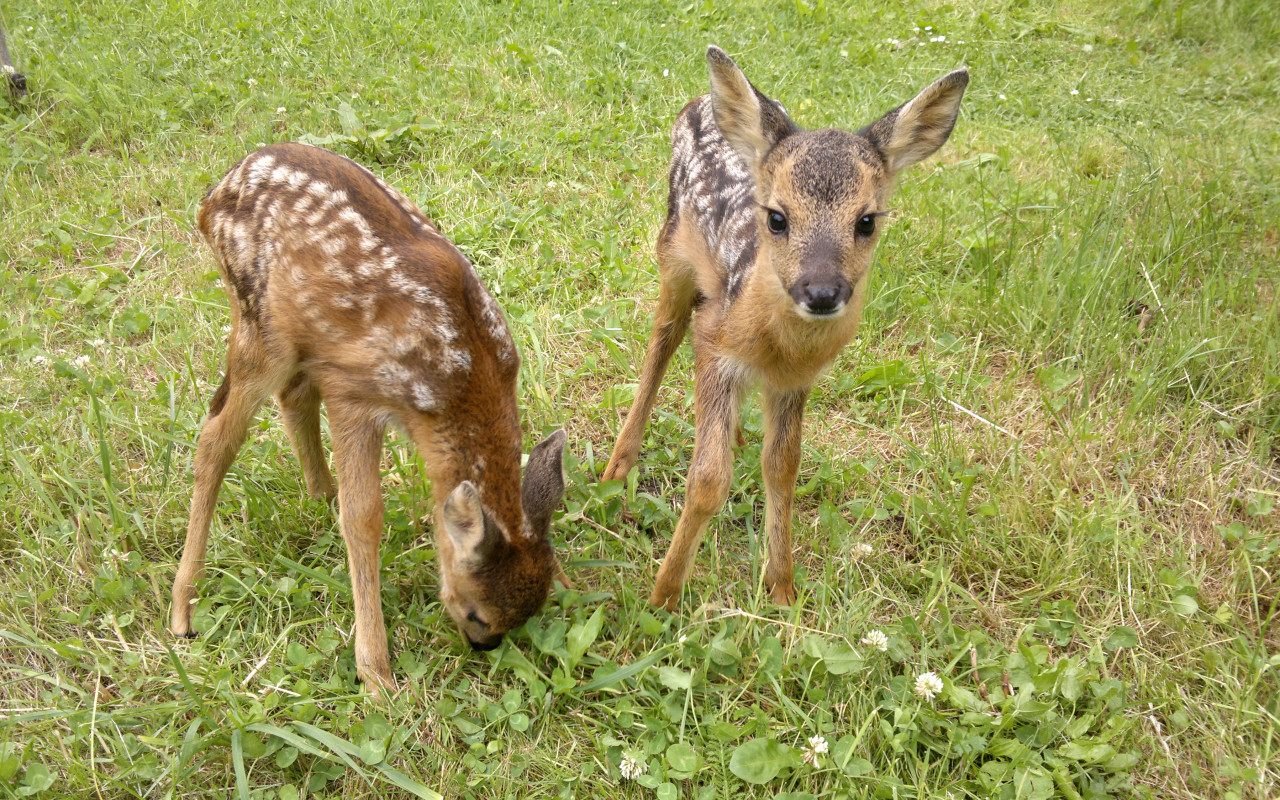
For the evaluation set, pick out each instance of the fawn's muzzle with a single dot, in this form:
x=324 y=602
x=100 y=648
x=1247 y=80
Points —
x=485 y=645
x=821 y=296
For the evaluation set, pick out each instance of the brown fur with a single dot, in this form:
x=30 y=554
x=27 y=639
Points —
x=774 y=308
x=342 y=292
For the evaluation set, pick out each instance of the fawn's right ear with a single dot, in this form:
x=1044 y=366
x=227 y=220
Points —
x=749 y=121
x=543 y=488
x=463 y=517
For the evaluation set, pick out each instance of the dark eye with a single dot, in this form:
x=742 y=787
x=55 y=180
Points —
x=777 y=222
x=867 y=225
x=472 y=617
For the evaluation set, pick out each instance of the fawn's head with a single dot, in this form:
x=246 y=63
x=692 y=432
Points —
x=493 y=580
x=820 y=194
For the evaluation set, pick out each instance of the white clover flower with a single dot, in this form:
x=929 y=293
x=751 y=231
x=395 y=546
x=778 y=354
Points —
x=876 y=639
x=8 y=69
x=40 y=361
x=928 y=685
x=251 y=83
x=666 y=72
x=1075 y=92
x=862 y=550
x=817 y=746
x=98 y=343
x=632 y=768
x=683 y=638
x=281 y=109
x=1001 y=96
x=83 y=361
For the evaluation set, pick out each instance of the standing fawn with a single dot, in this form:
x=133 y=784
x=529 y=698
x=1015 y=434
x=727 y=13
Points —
x=342 y=291
x=769 y=234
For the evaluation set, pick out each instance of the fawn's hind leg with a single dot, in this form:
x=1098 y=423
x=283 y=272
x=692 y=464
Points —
x=357 y=447
x=251 y=377
x=300 y=408
x=670 y=321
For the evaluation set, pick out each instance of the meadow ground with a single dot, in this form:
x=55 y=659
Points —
x=1058 y=433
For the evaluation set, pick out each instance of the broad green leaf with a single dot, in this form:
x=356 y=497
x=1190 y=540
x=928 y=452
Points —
x=373 y=751
x=1123 y=636
x=1184 y=605
x=674 y=678
x=841 y=659
x=724 y=652
x=760 y=760
x=842 y=755
x=769 y=654
x=582 y=635
x=682 y=757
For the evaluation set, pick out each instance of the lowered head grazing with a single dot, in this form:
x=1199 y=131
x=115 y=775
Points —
x=489 y=584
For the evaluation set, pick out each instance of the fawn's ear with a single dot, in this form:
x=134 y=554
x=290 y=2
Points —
x=913 y=131
x=543 y=487
x=749 y=121
x=463 y=517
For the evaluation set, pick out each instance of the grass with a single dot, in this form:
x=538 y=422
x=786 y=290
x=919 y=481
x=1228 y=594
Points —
x=1058 y=431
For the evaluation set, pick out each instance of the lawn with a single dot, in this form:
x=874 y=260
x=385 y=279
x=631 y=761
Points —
x=1046 y=470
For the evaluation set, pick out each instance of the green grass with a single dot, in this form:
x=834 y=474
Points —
x=1058 y=430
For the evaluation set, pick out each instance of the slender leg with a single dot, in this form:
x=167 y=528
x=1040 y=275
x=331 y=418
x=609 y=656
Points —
x=300 y=408
x=780 y=461
x=357 y=446
x=246 y=385
x=670 y=321
x=717 y=400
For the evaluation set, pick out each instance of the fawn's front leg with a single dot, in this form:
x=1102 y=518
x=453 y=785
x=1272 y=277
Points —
x=670 y=321
x=357 y=446
x=717 y=397
x=780 y=462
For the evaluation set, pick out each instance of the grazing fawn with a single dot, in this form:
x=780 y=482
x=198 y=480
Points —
x=769 y=234
x=342 y=291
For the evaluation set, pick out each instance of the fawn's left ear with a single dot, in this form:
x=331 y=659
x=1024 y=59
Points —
x=543 y=487
x=913 y=131
x=463 y=517
x=750 y=122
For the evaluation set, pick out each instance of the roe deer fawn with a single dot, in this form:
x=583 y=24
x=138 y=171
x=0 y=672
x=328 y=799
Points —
x=342 y=291
x=769 y=234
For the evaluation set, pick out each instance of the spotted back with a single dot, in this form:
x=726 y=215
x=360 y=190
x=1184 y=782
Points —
x=320 y=252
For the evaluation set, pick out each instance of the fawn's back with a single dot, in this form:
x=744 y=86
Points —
x=327 y=260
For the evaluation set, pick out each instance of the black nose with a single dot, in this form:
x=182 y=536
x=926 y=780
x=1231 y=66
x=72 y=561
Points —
x=821 y=295
x=486 y=645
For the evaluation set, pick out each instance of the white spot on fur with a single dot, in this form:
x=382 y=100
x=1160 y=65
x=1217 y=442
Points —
x=423 y=399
